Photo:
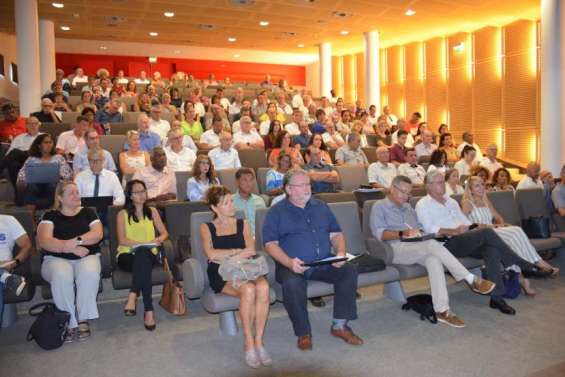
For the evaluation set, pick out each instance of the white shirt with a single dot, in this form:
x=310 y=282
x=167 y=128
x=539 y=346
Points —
x=336 y=137
x=528 y=183
x=77 y=79
x=292 y=129
x=424 y=150
x=381 y=174
x=459 y=190
x=490 y=166
x=409 y=139
x=69 y=142
x=285 y=109
x=189 y=143
x=235 y=108
x=297 y=101
x=479 y=155
x=264 y=127
x=373 y=119
x=241 y=137
x=462 y=167
x=224 y=159
x=141 y=81
x=160 y=127
x=10 y=231
x=22 y=142
x=391 y=119
x=328 y=110
x=123 y=80
x=225 y=103
x=416 y=174
x=109 y=185
x=199 y=109
x=433 y=215
x=432 y=168
x=211 y=138
x=181 y=161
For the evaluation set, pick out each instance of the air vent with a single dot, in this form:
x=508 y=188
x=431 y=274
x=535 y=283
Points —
x=340 y=14
x=114 y=20
x=207 y=27
x=242 y=3
x=288 y=34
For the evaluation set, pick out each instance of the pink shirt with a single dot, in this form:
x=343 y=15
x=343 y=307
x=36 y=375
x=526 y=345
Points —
x=157 y=182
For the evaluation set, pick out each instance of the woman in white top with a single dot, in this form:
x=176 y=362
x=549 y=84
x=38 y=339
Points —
x=479 y=209
x=358 y=128
x=452 y=186
x=203 y=176
x=464 y=165
x=438 y=159
x=134 y=159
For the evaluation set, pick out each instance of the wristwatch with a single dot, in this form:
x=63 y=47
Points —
x=79 y=241
x=400 y=234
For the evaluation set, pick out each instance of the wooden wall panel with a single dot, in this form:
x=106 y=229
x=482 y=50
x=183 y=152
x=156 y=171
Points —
x=519 y=91
x=360 y=87
x=337 y=75
x=487 y=87
x=414 y=85
x=436 y=82
x=383 y=77
x=459 y=87
x=395 y=72
x=349 y=78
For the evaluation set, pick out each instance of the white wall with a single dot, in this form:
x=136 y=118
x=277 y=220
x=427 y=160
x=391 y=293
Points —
x=313 y=78
x=8 y=50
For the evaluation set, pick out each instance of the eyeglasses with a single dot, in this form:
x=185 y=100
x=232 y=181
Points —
x=139 y=192
x=407 y=193
x=301 y=185
x=96 y=161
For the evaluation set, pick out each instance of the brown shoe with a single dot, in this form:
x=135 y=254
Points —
x=450 y=319
x=482 y=286
x=304 y=342
x=347 y=335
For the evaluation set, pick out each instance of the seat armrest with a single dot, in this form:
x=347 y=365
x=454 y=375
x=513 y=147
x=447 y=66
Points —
x=271 y=264
x=193 y=278
x=559 y=222
x=380 y=250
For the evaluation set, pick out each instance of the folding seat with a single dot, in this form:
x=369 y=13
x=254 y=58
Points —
x=54 y=129
x=131 y=116
x=371 y=141
x=371 y=153
x=122 y=128
x=335 y=197
x=69 y=117
x=74 y=100
x=253 y=158
x=262 y=179
x=182 y=179
x=195 y=279
x=113 y=144
x=352 y=176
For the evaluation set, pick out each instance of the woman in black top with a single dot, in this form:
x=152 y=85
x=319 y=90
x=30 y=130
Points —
x=225 y=237
x=69 y=238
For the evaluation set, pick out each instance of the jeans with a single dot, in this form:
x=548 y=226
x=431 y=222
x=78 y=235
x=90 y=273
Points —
x=295 y=299
x=486 y=244
x=140 y=265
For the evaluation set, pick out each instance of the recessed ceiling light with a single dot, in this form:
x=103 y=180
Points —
x=344 y=32
x=231 y=39
x=264 y=23
x=103 y=47
x=410 y=12
x=301 y=45
x=76 y=15
x=153 y=33
x=58 y=5
x=176 y=52
x=236 y=55
x=65 y=28
x=169 y=14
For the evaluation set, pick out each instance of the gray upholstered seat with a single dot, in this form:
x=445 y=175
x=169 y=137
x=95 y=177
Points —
x=352 y=176
x=253 y=158
x=336 y=197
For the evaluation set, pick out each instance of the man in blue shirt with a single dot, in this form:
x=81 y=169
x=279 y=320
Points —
x=303 y=138
x=244 y=199
x=110 y=115
x=318 y=126
x=301 y=229
x=147 y=139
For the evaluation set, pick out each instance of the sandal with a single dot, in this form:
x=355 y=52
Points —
x=83 y=330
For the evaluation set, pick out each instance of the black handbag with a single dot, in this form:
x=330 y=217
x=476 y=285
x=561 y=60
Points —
x=536 y=227
x=368 y=263
x=48 y=329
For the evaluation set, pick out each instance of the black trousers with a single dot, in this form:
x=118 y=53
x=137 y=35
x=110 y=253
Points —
x=295 y=299
x=486 y=244
x=140 y=265
x=13 y=161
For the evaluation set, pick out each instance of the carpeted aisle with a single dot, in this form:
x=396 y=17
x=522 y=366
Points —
x=397 y=343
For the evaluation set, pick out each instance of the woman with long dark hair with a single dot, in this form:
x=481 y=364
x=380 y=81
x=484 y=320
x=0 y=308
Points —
x=203 y=176
x=136 y=224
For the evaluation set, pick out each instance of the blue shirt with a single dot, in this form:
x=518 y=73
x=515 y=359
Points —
x=320 y=186
x=80 y=161
x=104 y=117
x=318 y=128
x=147 y=141
x=274 y=180
x=301 y=232
x=302 y=140
x=385 y=215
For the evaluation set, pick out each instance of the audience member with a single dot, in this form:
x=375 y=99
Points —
x=464 y=165
x=245 y=199
x=331 y=137
x=147 y=138
x=142 y=79
x=137 y=224
x=317 y=141
x=211 y=138
x=96 y=180
x=47 y=113
x=225 y=156
x=438 y=161
x=109 y=114
x=558 y=194
x=203 y=177
x=160 y=126
x=275 y=176
x=532 y=178
x=179 y=157
x=394 y=221
x=304 y=135
x=318 y=125
x=228 y=237
x=398 y=150
x=468 y=140
x=247 y=138
x=382 y=172
x=381 y=134
x=482 y=172
x=191 y=126
x=426 y=147
x=283 y=144
x=402 y=126
x=12 y=125
x=79 y=77
x=287 y=236
x=270 y=139
x=391 y=119
x=293 y=128
x=70 y=142
x=489 y=161
x=86 y=101
x=412 y=125
x=160 y=181
x=351 y=153
x=446 y=144
x=91 y=141
x=323 y=176
x=133 y=158
x=452 y=183
x=416 y=173
x=502 y=180
x=69 y=237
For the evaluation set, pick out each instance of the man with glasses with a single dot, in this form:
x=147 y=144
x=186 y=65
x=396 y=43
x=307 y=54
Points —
x=47 y=113
x=394 y=221
x=441 y=215
x=91 y=141
x=97 y=181
x=109 y=114
x=301 y=229
x=179 y=157
x=160 y=126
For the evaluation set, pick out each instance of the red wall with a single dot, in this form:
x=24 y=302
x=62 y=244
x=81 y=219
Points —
x=132 y=65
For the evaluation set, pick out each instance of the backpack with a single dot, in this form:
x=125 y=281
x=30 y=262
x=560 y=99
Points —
x=421 y=304
x=48 y=329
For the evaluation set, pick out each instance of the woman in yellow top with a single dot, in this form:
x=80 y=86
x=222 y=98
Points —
x=136 y=225
x=446 y=144
x=191 y=126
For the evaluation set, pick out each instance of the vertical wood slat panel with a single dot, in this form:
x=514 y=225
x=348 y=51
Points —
x=395 y=71
x=520 y=90
x=414 y=86
x=383 y=77
x=360 y=65
x=349 y=78
x=436 y=82
x=487 y=87
x=337 y=75
x=459 y=85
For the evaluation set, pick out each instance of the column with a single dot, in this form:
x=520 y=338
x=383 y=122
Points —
x=27 y=44
x=372 y=82
x=552 y=85
x=47 y=53
x=349 y=78
x=325 y=69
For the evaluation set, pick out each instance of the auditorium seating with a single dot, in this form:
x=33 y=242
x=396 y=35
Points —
x=113 y=144
x=182 y=179
x=352 y=176
x=253 y=158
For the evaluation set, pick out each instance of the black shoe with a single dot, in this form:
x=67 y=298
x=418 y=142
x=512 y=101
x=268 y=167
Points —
x=501 y=305
x=358 y=295
x=536 y=273
x=318 y=302
x=16 y=284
